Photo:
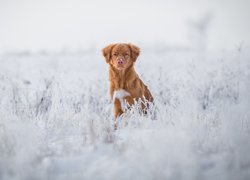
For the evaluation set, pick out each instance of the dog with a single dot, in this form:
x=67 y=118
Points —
x=125 y=85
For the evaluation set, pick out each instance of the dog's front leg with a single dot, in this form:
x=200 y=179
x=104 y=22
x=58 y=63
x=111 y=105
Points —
x=117 y=111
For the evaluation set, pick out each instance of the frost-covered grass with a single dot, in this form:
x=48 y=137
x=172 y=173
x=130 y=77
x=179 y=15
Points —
x=56 y=118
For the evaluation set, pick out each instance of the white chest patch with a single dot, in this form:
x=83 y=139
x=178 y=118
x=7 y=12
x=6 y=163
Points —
x=120 y=94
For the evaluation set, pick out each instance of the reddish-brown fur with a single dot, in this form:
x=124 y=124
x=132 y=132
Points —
x=123 y=75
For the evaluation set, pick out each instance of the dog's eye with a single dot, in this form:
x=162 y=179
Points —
x=115 y=54
x=126 y=54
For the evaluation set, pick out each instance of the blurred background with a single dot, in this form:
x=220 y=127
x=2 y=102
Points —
x=80 y=25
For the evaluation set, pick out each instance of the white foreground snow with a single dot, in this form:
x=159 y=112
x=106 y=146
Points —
x=56 y=118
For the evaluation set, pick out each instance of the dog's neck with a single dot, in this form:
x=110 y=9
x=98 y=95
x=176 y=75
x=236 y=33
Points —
x=119 y=77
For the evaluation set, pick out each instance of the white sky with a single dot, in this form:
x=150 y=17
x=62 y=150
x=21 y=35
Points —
x=55 y=24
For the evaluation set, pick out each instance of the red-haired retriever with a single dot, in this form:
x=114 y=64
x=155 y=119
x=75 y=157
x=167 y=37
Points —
x=125 y=84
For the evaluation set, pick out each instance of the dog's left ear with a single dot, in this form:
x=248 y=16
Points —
x=107 y=52
x=135 y=51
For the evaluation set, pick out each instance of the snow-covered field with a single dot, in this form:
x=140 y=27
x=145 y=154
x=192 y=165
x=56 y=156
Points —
x=56 y=118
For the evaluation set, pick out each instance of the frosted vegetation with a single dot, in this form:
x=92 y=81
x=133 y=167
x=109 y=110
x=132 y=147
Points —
x=56 y=118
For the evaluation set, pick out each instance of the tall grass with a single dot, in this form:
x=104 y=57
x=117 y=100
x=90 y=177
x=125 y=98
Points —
x=56 y=118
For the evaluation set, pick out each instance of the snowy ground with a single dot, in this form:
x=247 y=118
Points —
x=56 y=118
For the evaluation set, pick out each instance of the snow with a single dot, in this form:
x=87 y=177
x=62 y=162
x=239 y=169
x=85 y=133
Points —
x=56 y=119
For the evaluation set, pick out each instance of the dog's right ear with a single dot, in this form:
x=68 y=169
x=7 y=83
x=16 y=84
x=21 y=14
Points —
x=107 y=52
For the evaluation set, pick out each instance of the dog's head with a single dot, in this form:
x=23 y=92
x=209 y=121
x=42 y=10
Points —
x=121 y=56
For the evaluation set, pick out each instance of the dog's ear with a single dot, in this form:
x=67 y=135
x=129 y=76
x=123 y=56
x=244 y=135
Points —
x=135 y=51
x=107 y=52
